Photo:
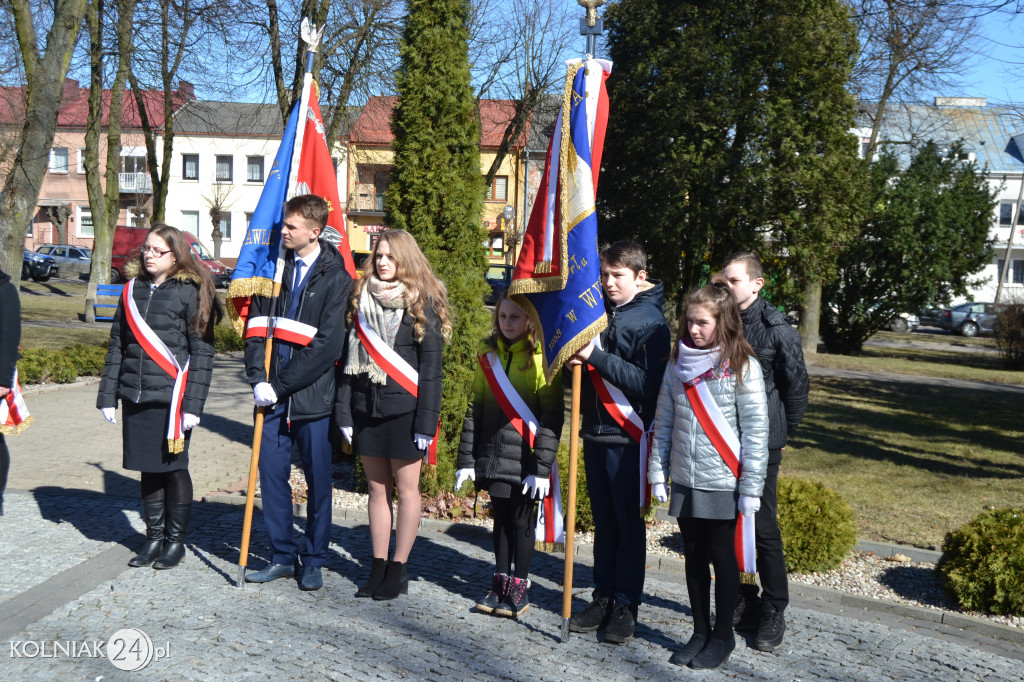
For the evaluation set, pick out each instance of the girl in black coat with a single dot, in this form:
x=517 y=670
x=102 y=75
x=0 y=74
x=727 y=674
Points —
x=405 y=308
x=163 y=326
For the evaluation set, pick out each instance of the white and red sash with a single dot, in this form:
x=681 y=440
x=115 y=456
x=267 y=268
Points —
x=722 y=436
x=159 y=353
x=395 y=367
x=551 y=535
x=619 y=407
x=280 y=328
x=14 y=416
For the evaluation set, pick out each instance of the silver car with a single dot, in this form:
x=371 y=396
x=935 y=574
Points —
x=70 y=259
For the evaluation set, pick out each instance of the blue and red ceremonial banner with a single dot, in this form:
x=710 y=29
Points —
x=257 y=264
x=557 y=280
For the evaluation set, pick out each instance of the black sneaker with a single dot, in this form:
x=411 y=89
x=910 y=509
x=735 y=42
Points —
x=593 y=617
x=771 y=630
x=715 y=653
x=499 y=586
x=621 y=625
x=747 y=615
x=515 y=602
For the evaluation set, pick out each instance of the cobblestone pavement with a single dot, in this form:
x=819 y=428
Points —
x=65 y=582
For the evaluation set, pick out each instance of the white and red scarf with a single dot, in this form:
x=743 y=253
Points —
x=550 y=530
x=395 y=367
x=159 y=353
x=692 y=368
x=619 y=407
x=14 y=416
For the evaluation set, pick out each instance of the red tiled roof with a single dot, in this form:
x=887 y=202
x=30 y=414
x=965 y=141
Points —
x=74 y=106
x=373 y=127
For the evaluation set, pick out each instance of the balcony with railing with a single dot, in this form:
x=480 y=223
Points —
x=135 y=183
x=367 y=200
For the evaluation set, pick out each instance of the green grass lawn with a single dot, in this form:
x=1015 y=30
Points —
x=913 y=461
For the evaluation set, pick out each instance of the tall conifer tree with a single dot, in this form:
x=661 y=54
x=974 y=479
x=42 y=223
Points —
x=437 y=190
x=729 y=128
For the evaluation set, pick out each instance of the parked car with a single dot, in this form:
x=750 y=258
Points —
x=931 y=317
x=38 y=266
x=70 y=259
x=128 y=242
x=970 y=319
x=904 y=322
x=499 y=277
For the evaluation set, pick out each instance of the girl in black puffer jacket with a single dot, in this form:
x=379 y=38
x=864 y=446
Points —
x=511 y=463
x=158 y=365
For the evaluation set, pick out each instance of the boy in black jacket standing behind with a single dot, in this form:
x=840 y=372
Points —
x=300 y=389
x=779 y=351
x=628 y=363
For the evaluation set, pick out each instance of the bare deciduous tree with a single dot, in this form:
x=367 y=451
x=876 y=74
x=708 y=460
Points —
x=45 y=60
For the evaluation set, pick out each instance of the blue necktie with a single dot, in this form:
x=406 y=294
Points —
x=284 y=352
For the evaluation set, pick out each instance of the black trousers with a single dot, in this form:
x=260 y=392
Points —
x=5 y=466
x=711 y=541
x=771 y=560
x=620 y=534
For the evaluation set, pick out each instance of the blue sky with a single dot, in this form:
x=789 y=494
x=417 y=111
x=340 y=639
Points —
x=998 y=70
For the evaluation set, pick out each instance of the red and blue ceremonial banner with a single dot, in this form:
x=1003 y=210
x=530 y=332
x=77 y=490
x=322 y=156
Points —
x=557 y=280
x=257 y=264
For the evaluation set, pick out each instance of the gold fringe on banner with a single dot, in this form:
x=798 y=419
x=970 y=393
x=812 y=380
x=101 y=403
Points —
x=748 y=578
x=542 y=546
x=175 y=445
x=9 y=430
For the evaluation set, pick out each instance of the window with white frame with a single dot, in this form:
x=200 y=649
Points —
x=224 y=168
x=225 y=226
x=85 y=228
x=499 y=188
x=59 y=160
x=1015 y=274
x=1006 y=213
x=190 y=222
x=80 y=169
x=248 y=220
x=189 y=166
x=254 y=169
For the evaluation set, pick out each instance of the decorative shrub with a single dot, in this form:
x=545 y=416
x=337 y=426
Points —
x=818 y=529
x=225 y=339
x=584 y=517
x=38 y=365
x=982 y=563
x=1009 y=332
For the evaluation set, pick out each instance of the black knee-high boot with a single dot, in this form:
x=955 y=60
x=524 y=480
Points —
x=153 y=515
x=177 y=526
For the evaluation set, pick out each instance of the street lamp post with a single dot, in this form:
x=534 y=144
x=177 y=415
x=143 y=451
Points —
x=511 y=236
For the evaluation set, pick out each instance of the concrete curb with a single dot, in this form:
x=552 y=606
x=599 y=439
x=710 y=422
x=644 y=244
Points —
x=677 y=565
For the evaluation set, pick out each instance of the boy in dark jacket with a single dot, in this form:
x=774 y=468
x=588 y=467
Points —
x=300 y=389
x=786 y=385
x=631 y=358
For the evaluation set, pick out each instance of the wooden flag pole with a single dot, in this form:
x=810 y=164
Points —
x=570 y=526
x=254 y=460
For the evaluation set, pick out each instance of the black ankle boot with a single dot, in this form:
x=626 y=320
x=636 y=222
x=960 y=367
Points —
x=396 y=582
x=153 y=515
x=376 y=578
x=177 y=526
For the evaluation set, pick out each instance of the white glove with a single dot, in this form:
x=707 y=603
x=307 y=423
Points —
x=538 y=486
x=346 y=431
x=462 y=474
x=660 y=492
x=264 y=394
x=748 y=506
x=422 y=442
x=189 y=421
x=108 y=414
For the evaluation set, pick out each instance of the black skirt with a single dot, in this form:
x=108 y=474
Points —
x=144 y=434
x=390 y=437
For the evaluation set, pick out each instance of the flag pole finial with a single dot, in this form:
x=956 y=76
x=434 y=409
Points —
x=591 y=25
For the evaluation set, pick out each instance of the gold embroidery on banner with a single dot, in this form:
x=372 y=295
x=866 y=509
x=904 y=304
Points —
x=15 y=430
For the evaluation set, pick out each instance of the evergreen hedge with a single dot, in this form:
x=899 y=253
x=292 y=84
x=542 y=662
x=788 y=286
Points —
x=982 y=563
x=818 y=529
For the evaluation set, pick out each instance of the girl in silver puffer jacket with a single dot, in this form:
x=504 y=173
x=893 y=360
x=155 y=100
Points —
x=713 y=385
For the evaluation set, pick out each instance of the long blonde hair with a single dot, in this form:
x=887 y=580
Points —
x=424 y=290
x=530 y=339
